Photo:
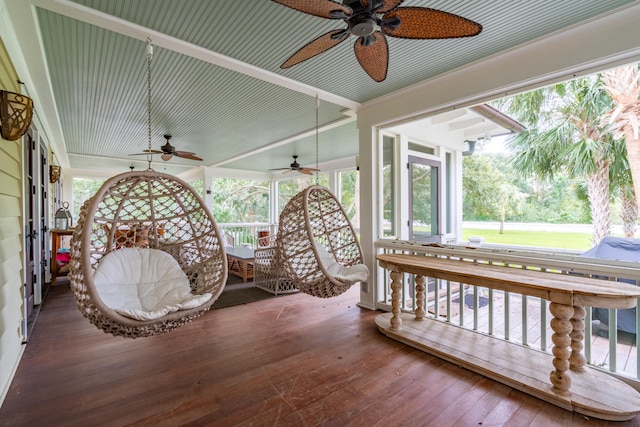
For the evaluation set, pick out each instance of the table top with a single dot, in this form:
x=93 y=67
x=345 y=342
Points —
x=561 y=288
x=68 y=231
x=240 y=252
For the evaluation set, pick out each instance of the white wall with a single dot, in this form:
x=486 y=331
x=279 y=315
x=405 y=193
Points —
x=11 y=246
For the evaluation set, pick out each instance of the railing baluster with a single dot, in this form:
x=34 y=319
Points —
x=525 y=322
x=476 y=305
x=544 y=324
x=461 y=303
x=491 y=304
x=554 y=263
x=507 y=315
x=449 y=305
x=613 y=338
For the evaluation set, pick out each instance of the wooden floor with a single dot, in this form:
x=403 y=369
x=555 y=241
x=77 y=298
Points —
x=288 y=361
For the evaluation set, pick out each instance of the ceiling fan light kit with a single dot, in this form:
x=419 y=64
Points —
x=295 y=167
x=371 y=21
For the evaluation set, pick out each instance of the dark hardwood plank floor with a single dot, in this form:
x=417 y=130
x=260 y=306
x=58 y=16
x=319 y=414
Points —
x=288 y=361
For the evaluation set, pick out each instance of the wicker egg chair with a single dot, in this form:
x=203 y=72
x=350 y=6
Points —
x=149 y=213
x=318 y=247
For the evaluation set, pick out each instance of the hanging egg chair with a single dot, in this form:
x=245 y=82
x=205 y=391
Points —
x=318 y=247
x=146 y=255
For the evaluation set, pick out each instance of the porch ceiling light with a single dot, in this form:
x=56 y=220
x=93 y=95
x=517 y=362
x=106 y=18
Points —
x=16 y=112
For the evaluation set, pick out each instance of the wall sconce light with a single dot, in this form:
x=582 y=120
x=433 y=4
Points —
x=16 y=111
x=54 y=173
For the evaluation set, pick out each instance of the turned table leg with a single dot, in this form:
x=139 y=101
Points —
x=420 y=297
x=577 y=359
x=561 y=325
x=396 y=294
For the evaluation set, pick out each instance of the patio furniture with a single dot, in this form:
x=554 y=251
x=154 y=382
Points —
x=621 y=249
x=318 y=247
x=268 y=274
x=572 y=384
x=146 y=255
x=60 y=254
x=241 y=262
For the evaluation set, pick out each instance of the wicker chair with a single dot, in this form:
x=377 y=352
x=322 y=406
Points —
x=312 y=225
x=268 y=274
x=151 y=211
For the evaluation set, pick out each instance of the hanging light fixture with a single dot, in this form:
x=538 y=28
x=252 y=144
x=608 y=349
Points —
x=16 y=111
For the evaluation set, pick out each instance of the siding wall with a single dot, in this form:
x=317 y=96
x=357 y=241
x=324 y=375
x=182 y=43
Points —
x=11 y=247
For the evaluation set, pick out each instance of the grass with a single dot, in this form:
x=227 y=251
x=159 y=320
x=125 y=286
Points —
x=544 y=239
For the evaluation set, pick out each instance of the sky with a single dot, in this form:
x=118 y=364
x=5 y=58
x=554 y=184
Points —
x=496 y=145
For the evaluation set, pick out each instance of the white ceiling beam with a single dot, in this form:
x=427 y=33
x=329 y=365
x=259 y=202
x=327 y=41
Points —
x=289 y=140
x=462 y=124
x=448 y=116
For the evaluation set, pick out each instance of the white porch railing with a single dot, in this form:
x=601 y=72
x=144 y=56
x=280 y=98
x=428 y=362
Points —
x=514 y=317
x=248 y=233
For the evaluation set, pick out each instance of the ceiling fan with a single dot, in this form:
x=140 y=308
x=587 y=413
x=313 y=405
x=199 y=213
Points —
x=371 y=21
x=295 y=166
x=167 y=151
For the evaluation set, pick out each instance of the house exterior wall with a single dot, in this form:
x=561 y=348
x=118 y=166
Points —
x=11 y=242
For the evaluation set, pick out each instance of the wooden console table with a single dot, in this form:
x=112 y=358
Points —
x=585 y=390
x=56 y=237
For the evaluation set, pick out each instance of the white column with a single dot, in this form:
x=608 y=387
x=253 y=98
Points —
x=370 y=211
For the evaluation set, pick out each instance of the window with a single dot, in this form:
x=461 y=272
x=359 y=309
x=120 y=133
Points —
x=240 y=200
x=288 y=189
x=388 y=186
x=350 y=195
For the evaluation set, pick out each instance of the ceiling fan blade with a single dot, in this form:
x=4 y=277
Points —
x=166 y=157
x=387 y=5
x=280 y=169
x=322 y=8
x=425 y=23
x=373 y=57
x=316 y=47
x=305 y=171
x=311 y=169
x=145 y=152
x=186 y=155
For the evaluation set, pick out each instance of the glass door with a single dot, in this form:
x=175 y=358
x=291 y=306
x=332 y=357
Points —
x=424 y=200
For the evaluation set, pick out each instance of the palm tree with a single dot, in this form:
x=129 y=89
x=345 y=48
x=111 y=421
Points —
x=623 y=84
x=622 y=186
x=565 y=132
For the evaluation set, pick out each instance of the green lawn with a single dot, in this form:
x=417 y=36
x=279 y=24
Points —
x=545 y=239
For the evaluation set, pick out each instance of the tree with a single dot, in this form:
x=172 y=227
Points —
x=566 y=133
x=623 y=84
x=84 y=189
x=487 y=192
x=237 y=200
x=622 y=185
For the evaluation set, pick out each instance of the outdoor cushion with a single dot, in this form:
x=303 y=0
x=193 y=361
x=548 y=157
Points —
x=347 y=274
x=144 y=284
